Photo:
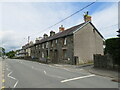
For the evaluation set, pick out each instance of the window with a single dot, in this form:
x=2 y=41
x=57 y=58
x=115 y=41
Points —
x=46 y=44
x=56 y=41
x=43 y=45
x=51 y=43
x=42 y=55
x=64 y=54
x=39 y=46
x=47 y=53
x=64 y=41
x=36 y=46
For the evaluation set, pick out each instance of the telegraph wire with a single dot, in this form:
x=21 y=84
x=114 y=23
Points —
x=109 y=26
x=71 y=15
x=67 y=17
x=99 y=29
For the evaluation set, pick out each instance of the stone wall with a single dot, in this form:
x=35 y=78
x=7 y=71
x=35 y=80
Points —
x=104 y=61
x=54 y=52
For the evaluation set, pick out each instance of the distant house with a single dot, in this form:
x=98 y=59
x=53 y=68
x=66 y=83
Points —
x=75 y=45
x=20 y=53
x=25 y=52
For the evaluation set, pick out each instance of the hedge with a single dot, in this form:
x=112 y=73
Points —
x=113 y=48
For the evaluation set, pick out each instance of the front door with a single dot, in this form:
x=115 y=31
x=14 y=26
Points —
x=55 y=56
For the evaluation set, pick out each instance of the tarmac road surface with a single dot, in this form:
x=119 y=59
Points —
x=28 y=74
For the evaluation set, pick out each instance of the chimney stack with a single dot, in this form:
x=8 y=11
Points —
x=45 y=35
x=31 y=43
x=61 y=28
x=87 y=17
x=37 y=40
x=52 y=33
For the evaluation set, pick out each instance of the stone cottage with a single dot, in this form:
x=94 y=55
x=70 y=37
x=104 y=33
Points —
x=75 y=45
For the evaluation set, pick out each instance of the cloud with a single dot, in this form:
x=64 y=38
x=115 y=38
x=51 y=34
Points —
x=106 y=20
x=19 y=20
x=10 y=40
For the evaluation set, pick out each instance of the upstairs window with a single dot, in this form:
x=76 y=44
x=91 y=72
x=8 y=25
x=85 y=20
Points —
x=35 y=47
x=56 y=41
x=43 y=45
x=51 y=43
x=46 y=44
x=64 y=41
x=64 y=54
x=39 y=46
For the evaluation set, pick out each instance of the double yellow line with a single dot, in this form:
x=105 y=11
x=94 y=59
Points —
x=3 y=77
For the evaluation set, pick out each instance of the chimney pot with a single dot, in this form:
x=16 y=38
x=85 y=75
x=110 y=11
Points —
x=52 y=33
x=87 y=17
x=45 y=35
x=61 y=28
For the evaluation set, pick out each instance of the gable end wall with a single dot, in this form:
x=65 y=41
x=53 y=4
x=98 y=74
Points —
x=87 y=42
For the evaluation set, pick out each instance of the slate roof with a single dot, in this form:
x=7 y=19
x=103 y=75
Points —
x=61 y=34
x=64 y=33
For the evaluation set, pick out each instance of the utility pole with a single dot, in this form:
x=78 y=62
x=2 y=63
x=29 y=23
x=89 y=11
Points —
x=28 y=39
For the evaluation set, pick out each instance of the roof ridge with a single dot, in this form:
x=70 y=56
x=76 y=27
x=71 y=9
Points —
x=66 y=32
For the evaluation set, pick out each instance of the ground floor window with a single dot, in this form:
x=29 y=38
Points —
x=64 y=54
x=47 y=53
x=42 y=55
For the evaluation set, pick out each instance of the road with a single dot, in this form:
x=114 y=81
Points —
x=0 y=72
x=28 y=74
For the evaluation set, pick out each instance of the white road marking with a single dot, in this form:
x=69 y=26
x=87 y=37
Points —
x=32 y=67
x=66 y=69
x=54 y=67
x=50 y=66
x=12 y=78
x=15 y=84
x=77 y=78
x=54 y=76
x=45 y=72
x=80 y=69
x=7 y=69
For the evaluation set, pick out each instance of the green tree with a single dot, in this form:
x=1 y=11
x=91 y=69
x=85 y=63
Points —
x=11 y=54
x=2 y=51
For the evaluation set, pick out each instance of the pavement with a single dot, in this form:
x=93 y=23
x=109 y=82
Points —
x=28 y=74
x=98 y=71
x=0 y=72
x=104 y=72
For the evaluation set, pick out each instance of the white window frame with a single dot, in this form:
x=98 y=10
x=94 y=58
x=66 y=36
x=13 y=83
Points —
x=46 y=44
x=56 y=41
x=43 y=45
x=42 y=55
x=65 y=41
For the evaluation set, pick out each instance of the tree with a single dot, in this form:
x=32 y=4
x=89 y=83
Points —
x=11 y=54
x=2 y=51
